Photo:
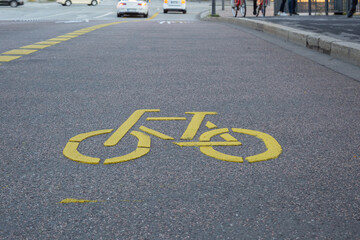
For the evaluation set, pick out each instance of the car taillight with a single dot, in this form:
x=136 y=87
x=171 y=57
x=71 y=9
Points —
x=122 y=4
x=141 y=4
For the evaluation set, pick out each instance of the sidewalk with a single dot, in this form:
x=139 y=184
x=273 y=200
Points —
x=335 y=35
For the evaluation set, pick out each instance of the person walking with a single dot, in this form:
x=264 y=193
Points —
x=352 y=8
x=292 y=7
x=282 y=7
x=255 y=6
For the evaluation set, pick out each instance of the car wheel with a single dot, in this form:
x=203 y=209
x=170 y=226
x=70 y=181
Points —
x=13 y=4
x=67 y=3
x=146 y=15
x=165 y=11
x=184 y=11
x=94 y=2
x=119 y=15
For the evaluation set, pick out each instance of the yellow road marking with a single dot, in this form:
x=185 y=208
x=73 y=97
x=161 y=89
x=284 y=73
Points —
x=210 y=125
x=8 y=58
x=125 y=127
x=206 y=144
x=165 y=118
x=70 y=151
x=67 y=36
x=194 y=124
x=38 y=46
x=153 y=16
x=142 y=149
x=56 y=40
x=138 y=153
x=209 y=151
x=79 y=33
x=82 y=136
x=155 y=133
x=48 y=42
x=273 y=147
x=73 y=200
x=205 y=137
x=227 y=137
x=59 y=39
x=20 y=51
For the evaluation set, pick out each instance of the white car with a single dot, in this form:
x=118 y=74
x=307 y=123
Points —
x=133 y=7
x=69 y=2
x=174 y=5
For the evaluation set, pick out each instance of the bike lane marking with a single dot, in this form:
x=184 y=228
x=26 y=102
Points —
x=165 y=118
x=155 y=133
x=125 y=127
x=205 y=143
x=8 y=57
x=70 y=151
x=142 y=149
x=273 y=147
x=194 y=124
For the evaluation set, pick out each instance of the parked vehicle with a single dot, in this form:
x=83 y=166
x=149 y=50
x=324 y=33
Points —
x=11 y=3
x=69 y=2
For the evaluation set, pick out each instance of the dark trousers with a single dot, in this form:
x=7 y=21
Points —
x=282 y=6
x=292 y=6
x=353 y=5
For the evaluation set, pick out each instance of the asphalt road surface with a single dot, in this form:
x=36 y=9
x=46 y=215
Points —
x=303 y=113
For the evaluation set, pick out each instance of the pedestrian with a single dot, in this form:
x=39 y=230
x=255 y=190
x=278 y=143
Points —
x=282 y=6
x=255 y=6
x=292 y=7
x=352 y=8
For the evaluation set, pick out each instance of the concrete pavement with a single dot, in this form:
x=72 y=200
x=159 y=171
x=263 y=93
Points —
x=336 y=36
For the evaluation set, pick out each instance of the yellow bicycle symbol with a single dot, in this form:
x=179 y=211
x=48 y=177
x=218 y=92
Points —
x=144 y=141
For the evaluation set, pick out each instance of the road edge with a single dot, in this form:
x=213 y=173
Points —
x=346 y=51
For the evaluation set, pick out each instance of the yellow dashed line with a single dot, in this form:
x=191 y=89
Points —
x=8 y=58
x=20 y=51
x=67 y=36
x=25 y=50
x=48 y=42
x=73 y=200
x=59 y=39
x=38 y=46
x=153 y=16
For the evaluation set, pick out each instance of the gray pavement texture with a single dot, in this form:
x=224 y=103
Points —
x=97 y=80
x=335 y=35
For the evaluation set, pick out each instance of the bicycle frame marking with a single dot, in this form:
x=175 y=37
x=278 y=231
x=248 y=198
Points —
x=144 y=141
x=126 y=126
x=194 y=124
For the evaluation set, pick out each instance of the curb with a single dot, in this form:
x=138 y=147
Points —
x=347 y=51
